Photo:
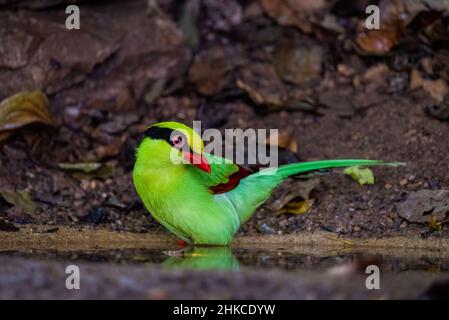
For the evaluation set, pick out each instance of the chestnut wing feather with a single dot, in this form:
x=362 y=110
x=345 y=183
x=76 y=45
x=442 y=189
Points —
x=224 y=176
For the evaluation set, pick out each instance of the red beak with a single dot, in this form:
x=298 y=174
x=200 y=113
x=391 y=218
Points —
x=197 y=160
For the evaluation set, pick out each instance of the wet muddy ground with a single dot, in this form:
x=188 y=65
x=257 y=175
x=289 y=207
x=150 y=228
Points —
x=334 y=91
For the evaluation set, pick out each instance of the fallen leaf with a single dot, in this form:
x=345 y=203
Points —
x=110 y=150
x=298 y=63
x=298 y=13
x=395 y=16
x=256 y=96
x=437 y=89
x=296 y=191
x=433 y=223
x=22 y=109
x=297 y=207
x=377 y=41
x=88 y=170
x=393 y=20
x=262 y=85
x=210 y=70
x=378 y=72
x=362 y=176
x=285 y=140
x=20 y=199
x=87 y=167
x=104 y=172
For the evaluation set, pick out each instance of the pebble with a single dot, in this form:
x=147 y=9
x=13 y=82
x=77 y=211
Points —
x=388 y=186
x=403 y=182
x=345 y=70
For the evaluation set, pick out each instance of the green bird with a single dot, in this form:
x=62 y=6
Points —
x=202 y=198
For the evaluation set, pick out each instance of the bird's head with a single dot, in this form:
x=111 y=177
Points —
x=174 y=142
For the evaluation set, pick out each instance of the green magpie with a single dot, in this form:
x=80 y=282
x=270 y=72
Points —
x=201 y=198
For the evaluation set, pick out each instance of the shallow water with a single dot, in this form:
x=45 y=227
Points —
x=225 y=258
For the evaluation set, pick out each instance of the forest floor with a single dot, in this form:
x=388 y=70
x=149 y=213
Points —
x=67 y=162
x=353 y=106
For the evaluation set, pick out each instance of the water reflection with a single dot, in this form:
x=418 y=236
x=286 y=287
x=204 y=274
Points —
x=225 y=258
x=202 y=258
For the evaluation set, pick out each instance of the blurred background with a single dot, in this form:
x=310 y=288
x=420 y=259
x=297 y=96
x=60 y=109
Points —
x=73 y=105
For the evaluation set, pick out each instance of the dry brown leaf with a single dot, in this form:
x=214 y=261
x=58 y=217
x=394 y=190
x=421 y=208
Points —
x=210 y=71
x=393 y=19
x=298 y=63
x=378 y=41
x=377 y=72
x=110 y=150
x=257 y=97
x=293 y=12
x=297 y=191
x=22 y=109
x=285 y=140
x=261 y=83
x=437 y=89
x=395 y=16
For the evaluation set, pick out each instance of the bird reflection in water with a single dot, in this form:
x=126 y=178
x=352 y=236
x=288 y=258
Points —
x=202 y=258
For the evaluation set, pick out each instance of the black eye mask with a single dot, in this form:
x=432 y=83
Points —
x=163 y=134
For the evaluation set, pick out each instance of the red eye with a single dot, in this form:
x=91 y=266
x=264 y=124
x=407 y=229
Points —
x=178 y=141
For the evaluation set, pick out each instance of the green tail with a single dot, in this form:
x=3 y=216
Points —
x=256 y=188
x=296 y=168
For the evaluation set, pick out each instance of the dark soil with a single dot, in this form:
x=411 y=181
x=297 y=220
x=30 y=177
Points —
x=102 y=103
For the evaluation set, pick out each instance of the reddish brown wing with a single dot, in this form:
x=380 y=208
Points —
x=234 y=180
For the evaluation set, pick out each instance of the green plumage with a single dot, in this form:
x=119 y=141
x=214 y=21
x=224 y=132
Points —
x=179 y=196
